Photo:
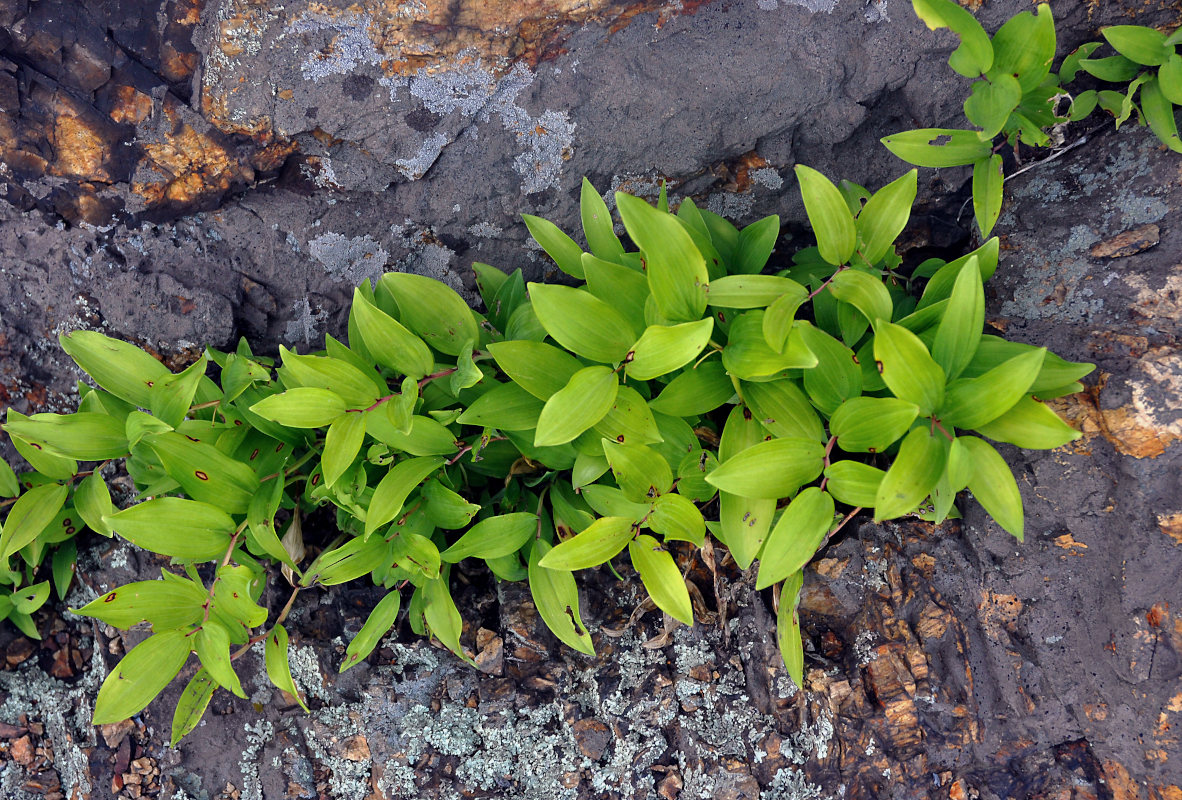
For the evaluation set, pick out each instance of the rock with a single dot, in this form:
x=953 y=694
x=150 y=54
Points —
x=592 y=737
x=115 y=732
x=355 y=748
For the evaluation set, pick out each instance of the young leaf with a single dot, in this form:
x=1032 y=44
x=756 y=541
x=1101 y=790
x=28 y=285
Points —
x=433 y=310
x=560 y=247
x=184 y=529
x=829 y=216
x=493 y=537
x=837 y=376
x=191 y=705
x=1139 y=43
x=974 y=56
x=959 y=332
x=9 y=485
x=584 y=400
x=170 y=398
x=388 y=341
x=83 y=436
x=1030 y=425
x=30 y=515
x=994 y=486
x=662 y=349
x=301 y=408
x=796 y=537
x=770 y=469
x=756 y=243
x=782 y=408
x=748 y=355
x=1024 y=47
x=988 y=185
x=779 y=319
x=377 y=624
x=788 y=628
x=601 y=541
x=92 y=501
x=597 y=224
x=864 y=292
x=677 y=274
x=938 y=147
x=582 y=323
x=342 y=443
x=696 y=391
x=507 y=407
x=972 y=402
x=445 y=508
x=751 y=291
x=912 y=476
x=141 y=675
x=661 y=578
x=885 y=215
x=853 y=483
x=676 y=518
x=212 y=644
x=260 y=517
x=120 y=367
x=640 y=471
x=908 y=368
x=991 y=103
x=403 y=478
x=206 y=473
x=556 y=597
x=540 y=369
x=278 y=665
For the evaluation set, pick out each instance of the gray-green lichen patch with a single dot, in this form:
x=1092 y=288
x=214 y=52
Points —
x=349 y=260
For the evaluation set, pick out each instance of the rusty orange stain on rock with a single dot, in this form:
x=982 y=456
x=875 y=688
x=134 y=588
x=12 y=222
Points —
x=1067 y=542
x=196 y=164
x=79 y=150
x=998 y=613
x=1127 y=243
x=1171 y=792
x=130 y=105
x=1171 y=525
x=1128 y=430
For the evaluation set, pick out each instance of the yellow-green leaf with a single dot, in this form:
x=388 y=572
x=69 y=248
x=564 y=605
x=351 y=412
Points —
x=140 y=676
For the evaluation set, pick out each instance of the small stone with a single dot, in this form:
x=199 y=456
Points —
x=12 y=731
x=700 y=673
x=355 y=748
x=22 y=751
x=115 y=732
x=670 y=787
x=18 y=651
x=490 y=658
x=592 y=737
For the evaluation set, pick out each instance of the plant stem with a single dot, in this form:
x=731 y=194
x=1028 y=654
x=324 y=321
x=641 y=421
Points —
x=828 y=281
x=217 y=573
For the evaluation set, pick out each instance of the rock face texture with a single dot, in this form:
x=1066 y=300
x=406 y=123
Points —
x=181 y=173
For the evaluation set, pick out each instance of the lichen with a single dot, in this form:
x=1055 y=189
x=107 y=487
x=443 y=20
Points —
x=349 y=260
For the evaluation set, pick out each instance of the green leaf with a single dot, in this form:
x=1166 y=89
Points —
x=621 y=287
x=507 y=407
x=414 y=553
x=994 y=486
x=83 y=436
x=782 y=408
x=599 y=543
x=938 y=147
x=788 y=628
x=991 y=103
x=467 y=374
x=1070 y=66
x=184 y=529
x=425 y=437
x=871 y=424
x=864 y=292
x=751 y=291
x=301 y=408
x=30 y=598
x=677 y=518
x=140 y=676
x=744 y=525
x=779 y=319
x=1024 y=46
x=392 y=491
x=556 y=597
x=756 y=242
x=797 y=536
x=974 y=56
x=677 y=274
x=388 y=341
x=853 y=483
x=493 y=537
x=323 y=372
x=92 y=501
x=30 y=515
x=988 y=183
x=560 y=247
x=1031 y=425
x=540 y=369
x=9 y=485
x=260 y=517
x=1139 y=43
x=120 y=367
x=1114 y=69
x=661 y=578
x=191 y=705
x=907 y=368
x=433 y=310
x=445 y=508
x=1159 y=113
x=972 y=402
x=65 y=558
x=278 y=664
x=443 y=618
x=167 y=604
x=837 y=376
x=1169 y=79
x=641 y=472
x=170 y=398
x=524 y=326
x=507 y=300
x=828 y=214
x=377 y=624
x=940 y=285
x=608 y=501
x=696 y=391
x=959 y=332
x=585 y=399
x=748 y=356
x=770 y=469
x=342 y=443
x=489 y=281
x=662 y=349
x=913 y=475
x=582 y=323
x=206 y=473
x=885 y=215
x=597 y=224
x=213 y=648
